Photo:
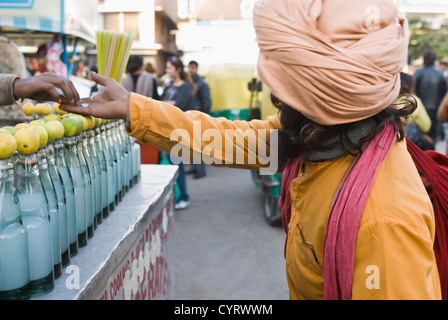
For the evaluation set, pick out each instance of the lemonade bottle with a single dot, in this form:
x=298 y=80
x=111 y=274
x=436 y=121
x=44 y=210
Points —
x=116 y=161
x=124 y=158
x=53 y=210
x=104 y=185
x=127 y=154
x=137 y=160
x=56 y=179
x=98 y=182
x=69 y=192
x=14 y=260
x=111 y=168
x=88 y=186
x=120 y=160
x=92 y=172
x=35 y=218
x=79 y=188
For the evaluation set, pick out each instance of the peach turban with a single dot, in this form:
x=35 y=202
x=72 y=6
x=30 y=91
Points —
x=335 y=61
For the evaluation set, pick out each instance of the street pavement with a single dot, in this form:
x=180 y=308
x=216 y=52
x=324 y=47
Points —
x=223 y=248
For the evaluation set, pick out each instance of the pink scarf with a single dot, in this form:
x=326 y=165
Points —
x=345 y=215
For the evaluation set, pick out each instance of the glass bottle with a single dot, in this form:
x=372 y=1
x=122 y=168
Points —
x=137 y=160
x=79 y=188
x=98 y=182
x=35 y=218
x=127 y=154
x=53 y=210
x=56 y=178
x=110 y=168
x=116 y=161
x=120 y=156
x=88 y=186
x=14 y=259
x=104 y=183
x=69 y=192
x=92 y=175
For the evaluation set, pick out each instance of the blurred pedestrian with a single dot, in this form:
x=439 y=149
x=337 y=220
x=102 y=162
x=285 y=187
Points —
x=179 y=93
x=202 y=102
x=335 y=82
x=419 y=122
x=431 y=87
x=138 y=80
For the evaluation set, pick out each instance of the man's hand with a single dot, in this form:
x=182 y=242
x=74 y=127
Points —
x=44 y=88
x=111 y=103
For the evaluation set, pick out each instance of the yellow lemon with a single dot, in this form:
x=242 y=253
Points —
x=8 y=145
x=71 y=127
x=50 y=132
x=98 y=122
x=82 y=123
x=21 y=126
x=10 y=130
x=28 y=109
x=35 y=122
x=43 y=135
x=90 y=122
x=52 y=117
x=28 y=141
x=43 y=108
x=58 y=128
x=57 y=110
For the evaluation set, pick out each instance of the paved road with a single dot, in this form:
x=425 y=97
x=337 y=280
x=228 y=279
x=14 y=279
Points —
x=223 y=248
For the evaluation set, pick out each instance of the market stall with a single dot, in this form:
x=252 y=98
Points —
x=78 y=251
x=130 y=255
x=30 y=23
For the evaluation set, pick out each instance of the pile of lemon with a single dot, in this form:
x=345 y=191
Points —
x=55 y=124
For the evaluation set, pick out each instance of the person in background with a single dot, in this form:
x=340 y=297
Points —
x=419 y=122
x=202 y=102
x=431 y=87
x=138 y=80
x=179 y=93
x=42 y=87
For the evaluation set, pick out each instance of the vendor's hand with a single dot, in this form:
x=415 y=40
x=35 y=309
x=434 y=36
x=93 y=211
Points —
x=44 y=88
x=111 y=103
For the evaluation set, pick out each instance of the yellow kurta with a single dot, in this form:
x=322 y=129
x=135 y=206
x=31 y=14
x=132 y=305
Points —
x=394 y=258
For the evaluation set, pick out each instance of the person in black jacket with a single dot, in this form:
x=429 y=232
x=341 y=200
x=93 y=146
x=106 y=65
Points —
x=431 y=88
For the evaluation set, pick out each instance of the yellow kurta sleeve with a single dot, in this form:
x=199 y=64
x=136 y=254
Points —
x=195 y=136
x=421 y=117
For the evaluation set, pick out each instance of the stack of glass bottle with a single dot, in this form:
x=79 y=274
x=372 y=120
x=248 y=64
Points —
x=52 y=202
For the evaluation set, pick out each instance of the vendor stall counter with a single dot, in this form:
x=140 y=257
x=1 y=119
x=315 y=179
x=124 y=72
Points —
x=129 y=257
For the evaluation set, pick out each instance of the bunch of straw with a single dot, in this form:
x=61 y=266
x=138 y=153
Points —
x=114 y=49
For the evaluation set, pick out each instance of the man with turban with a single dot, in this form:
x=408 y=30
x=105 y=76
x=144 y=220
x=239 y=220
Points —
x=334 y=70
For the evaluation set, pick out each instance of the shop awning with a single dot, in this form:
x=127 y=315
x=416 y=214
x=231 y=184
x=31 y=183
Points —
x=78 y=18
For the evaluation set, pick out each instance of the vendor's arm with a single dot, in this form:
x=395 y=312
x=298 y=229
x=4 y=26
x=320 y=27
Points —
x=235 y=143
x=232 y=143
x=42 y=88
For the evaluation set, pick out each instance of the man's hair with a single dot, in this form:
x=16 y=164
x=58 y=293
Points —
x=407 y=83
x=299 y=133
x=193 y=63
x=429 y=58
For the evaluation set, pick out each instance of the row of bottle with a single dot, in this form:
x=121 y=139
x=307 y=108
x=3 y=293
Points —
x=52 y=202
